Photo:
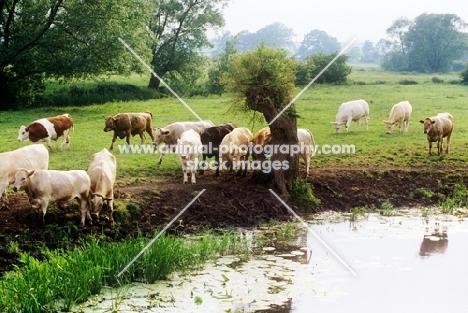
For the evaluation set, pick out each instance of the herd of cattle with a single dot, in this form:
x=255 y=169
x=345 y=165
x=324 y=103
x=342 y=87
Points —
x=27 y=168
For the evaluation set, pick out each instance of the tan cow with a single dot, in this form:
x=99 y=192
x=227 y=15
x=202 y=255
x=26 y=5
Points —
x=234 y=150
x=45 y=186
x=400 y=115
x=31 y=157
x=436 y=129
x=47 y=129
x=102 y=173
x=126 y=125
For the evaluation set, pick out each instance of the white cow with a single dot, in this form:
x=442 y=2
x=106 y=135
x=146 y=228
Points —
x=102 y=173
x=170 y=133
x=351 y=111
x=399 y=114
x=31 y=157
x=189 y=147
x=45 y=186
x=234 y=149
x=307 y=144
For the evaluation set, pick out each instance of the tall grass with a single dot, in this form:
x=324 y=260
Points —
x=67 y=278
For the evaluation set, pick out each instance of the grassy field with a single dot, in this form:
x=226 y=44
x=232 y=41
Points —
x=317 y=107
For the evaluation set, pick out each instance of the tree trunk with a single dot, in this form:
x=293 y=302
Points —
x=154 y=82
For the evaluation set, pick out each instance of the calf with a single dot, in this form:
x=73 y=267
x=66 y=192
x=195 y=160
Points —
x=30 y=157
x=234 y=150
x=399 y=114
x=170 y=133
x=188 y=148
x=351 y=111
x=47 y=129
x=211 y=139
x=102 y=173
x=436 y=128
x=128 y=125
x=45 y=186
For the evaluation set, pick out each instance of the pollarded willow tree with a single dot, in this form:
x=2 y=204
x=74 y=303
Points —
x=263 y=80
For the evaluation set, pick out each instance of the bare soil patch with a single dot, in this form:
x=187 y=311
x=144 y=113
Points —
x=222 y=204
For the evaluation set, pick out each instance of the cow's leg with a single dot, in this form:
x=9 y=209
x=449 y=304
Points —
x=449 y=136
x=143 y=138
x=65 y=140
x=193 y=178
x=163 y=150
x=217 y=165
x=440 y=145
x=203 y=165
x=43 y=204
x=367 y=122
x=113 y=140
x=306 y=158
x=430 y=147
x=49 y=143
x=129 y=134
x=358 y=123
x=84 y=210
x=110 y=210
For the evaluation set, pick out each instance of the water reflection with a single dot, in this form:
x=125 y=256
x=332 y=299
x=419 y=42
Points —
x=435 y=241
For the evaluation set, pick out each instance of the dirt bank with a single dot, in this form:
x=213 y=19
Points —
x=223 y=204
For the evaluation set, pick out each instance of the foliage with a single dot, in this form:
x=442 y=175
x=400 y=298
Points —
x=317 y=41
x=464 y=75
x=304 y=71
x=219 y=67
x=387 y=208
x=178 y=33
x=302 y=193
x=48 y=39
x=336 y=73
x=458 y=199
x=430 y=43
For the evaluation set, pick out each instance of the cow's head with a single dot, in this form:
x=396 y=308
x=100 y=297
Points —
x=428 y=124
x=97 y=201
x=22 y=179
x=337 y=126
x=23 y=133
x=160 y=135
x=110 y=123
x=389 y=126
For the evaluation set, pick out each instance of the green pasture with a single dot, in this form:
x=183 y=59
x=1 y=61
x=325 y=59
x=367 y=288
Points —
x=316 y=107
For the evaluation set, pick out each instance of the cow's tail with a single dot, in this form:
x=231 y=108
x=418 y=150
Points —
x=312 y=138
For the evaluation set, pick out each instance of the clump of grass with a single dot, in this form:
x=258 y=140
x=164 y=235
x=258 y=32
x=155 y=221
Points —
x=424 y=193
x=387 y=208
x=356 y=213
x=303 y=194
x=408 y=82
x=458 y=199
x=437 y=80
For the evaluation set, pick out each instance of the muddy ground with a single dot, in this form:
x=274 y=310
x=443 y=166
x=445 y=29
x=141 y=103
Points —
x=223 y=204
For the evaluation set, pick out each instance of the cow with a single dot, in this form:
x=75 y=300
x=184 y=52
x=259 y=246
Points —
x=45 y=186
x=306 y=144
x=211 y=139
x=436 y=129
x=400 y=115
x=47 y=129
x=351 y=111
x=234 y=151
x=170 y=133
x=188 y=148
x=102 y=173
x=31 y=157
x=128 y=125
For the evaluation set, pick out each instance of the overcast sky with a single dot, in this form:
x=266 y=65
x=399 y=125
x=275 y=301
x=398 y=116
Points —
x=345 y=20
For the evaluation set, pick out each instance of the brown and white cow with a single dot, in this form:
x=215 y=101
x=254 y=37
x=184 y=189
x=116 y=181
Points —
x=234 y=151
x=436 y=129
x=211 y=139
x=102 y=173
x=170 y=133
x=45 y=186
x=128 y=125
x=400 y=115
x=47 y=129
x=189 y=147
x=30 y=157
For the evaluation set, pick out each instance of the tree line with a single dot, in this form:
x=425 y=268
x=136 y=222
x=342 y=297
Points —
x=69 y=40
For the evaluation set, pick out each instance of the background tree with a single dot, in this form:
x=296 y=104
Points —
x=219 y=66
x=274 y=35
x=263 y=81
x=430 y=43
x=64 y=39
x=336 y=73
x=317 y=41
x=178 y=34
x=370 y=52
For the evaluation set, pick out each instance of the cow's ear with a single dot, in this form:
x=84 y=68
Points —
x=421 y=121
x=115 y=119
x=178 y=141
x=26 y=129
x=31 y=172
x=385 y=122
x=165 y=132
x=432 y=122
